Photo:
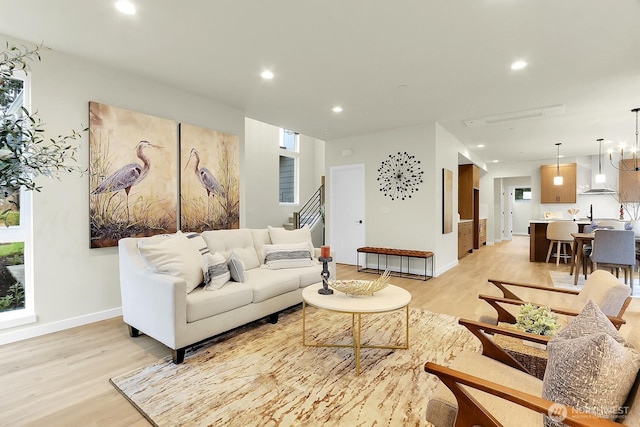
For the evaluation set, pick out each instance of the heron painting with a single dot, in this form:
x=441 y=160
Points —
x=210 y=179
x=133 y=166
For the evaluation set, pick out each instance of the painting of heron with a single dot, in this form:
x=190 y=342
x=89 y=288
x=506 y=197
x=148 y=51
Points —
x=133 y=163
x=209 y=179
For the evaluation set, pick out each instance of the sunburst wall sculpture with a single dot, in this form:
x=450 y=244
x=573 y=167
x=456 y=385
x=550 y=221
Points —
x=400 y=175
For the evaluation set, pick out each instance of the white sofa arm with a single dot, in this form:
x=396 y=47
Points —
x=153 y=303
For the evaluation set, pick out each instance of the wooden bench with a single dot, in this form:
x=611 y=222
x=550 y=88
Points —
x=401 y=253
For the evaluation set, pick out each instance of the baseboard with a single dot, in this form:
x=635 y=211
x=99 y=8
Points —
x=38 y=330
x=446 y=268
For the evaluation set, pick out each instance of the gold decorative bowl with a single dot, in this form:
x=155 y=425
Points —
x=361 y=287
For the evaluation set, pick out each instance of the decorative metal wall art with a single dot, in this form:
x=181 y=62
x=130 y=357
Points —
x=400 y=176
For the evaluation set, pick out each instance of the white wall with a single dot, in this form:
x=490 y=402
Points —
x=262 y=150
x=75 y=284
x=414 y=223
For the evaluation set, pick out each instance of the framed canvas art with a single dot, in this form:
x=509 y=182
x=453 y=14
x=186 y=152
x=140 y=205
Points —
x=209 y=179
x=133 y=175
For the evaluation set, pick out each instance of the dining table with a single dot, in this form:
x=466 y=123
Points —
x=579 y=240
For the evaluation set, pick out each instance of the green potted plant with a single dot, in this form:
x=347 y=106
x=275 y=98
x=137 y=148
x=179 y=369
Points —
x=25 y=153
x=538 y=320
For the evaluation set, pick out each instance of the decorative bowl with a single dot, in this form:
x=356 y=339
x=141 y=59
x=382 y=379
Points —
x=361 y=287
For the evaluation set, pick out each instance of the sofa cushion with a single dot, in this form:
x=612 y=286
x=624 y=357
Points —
x=590 y=366
x=260 y=238
x=215 y=270
x=236 y=268
x=309 y=275
x=267 y=283
x=292 y=255
x=280 y=235
x=173 y=255
x=202 y=304
x=239 y=241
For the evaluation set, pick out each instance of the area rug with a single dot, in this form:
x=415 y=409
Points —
x=262 y=375
x=562 y=279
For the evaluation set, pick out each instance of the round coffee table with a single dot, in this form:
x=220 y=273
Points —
x=391 y=298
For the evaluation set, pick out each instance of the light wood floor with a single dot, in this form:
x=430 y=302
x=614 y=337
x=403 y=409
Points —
x=62 y=379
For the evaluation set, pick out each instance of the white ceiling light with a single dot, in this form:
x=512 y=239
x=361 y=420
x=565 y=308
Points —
x=480 y=145
x=337 y=109
x=518 y=65
x=600 y=177
x=557 y=180
x=548 y=111
x=266 y=74
x=126 y=7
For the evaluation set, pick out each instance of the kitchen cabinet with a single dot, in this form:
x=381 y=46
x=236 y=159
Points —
x=468 y=181
x=629 y=181
x=482 y=232
x=465 y=238
x=565 y=193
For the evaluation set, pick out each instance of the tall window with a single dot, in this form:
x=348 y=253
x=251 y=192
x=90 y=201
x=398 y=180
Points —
x=288 y=172
x=16 y=289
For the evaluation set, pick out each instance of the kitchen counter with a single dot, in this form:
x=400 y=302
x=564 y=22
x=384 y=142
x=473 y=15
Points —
x=538 y=243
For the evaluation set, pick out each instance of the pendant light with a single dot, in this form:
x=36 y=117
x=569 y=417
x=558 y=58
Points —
x=557 y=180
x=600 y=177
x=632 y=164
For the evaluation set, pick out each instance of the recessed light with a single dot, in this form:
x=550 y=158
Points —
x=337 y=109
x=266 y=74
x=496 y=161
x=518 y=65
x=480 y=145
x=126 y=7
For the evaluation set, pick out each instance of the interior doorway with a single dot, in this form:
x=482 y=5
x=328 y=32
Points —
x=346 y=201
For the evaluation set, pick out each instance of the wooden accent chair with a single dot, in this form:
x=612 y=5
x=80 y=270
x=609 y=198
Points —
x=491 y=389
x=601 y=287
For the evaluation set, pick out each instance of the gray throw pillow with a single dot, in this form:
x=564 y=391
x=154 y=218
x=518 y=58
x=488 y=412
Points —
x=236 y=268
x=590 y=367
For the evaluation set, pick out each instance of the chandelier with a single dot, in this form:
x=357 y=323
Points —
x=631 y=164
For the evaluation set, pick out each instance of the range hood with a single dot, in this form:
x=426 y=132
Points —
x=594 y=191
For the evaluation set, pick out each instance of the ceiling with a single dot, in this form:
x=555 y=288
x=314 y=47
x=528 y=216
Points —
x=387 y=63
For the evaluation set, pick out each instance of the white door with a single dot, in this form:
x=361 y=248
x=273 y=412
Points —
x=346 y=201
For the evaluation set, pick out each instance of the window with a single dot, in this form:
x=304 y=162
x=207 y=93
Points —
x=288 y=166
x=16 y=283
x=522 y=194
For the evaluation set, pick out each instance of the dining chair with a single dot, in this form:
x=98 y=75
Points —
x=615 y=250
x=559 y=233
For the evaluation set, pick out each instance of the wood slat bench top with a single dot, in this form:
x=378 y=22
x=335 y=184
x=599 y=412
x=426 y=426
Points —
x=399 y=252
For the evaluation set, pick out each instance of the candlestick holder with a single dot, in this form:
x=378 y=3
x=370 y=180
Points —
x=324 y=290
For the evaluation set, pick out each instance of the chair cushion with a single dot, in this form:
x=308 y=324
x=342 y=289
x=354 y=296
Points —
x=605 y=290
x=590 y=366
x=443 y=407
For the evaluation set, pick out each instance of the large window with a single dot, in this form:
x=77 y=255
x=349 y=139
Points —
x=288 y=166
x=16 y=288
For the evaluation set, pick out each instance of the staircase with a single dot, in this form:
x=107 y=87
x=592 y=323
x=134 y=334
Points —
x=311 y=213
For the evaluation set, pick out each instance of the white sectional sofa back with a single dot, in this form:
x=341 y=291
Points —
x=159 y=305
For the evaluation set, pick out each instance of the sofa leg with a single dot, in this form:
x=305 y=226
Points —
x=178 y=355
x=133 y=332
x=273 y=318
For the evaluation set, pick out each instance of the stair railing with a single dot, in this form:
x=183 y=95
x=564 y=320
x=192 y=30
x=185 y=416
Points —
x=312 y=212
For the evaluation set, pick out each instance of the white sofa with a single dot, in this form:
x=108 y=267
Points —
x=160 y=306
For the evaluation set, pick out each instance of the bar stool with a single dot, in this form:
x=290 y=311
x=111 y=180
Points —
x=559 y=233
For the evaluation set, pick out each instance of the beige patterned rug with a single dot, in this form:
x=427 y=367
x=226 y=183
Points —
x=262 y=375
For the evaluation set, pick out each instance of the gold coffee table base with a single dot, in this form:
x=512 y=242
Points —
x=356 y=328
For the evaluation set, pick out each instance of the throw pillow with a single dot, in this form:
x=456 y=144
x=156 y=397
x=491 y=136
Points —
x=236 y=268
x=198 y=242
x=173 y=255
x=292 y=255
x=280 y=235
x=216 y=272
x=590 y=367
